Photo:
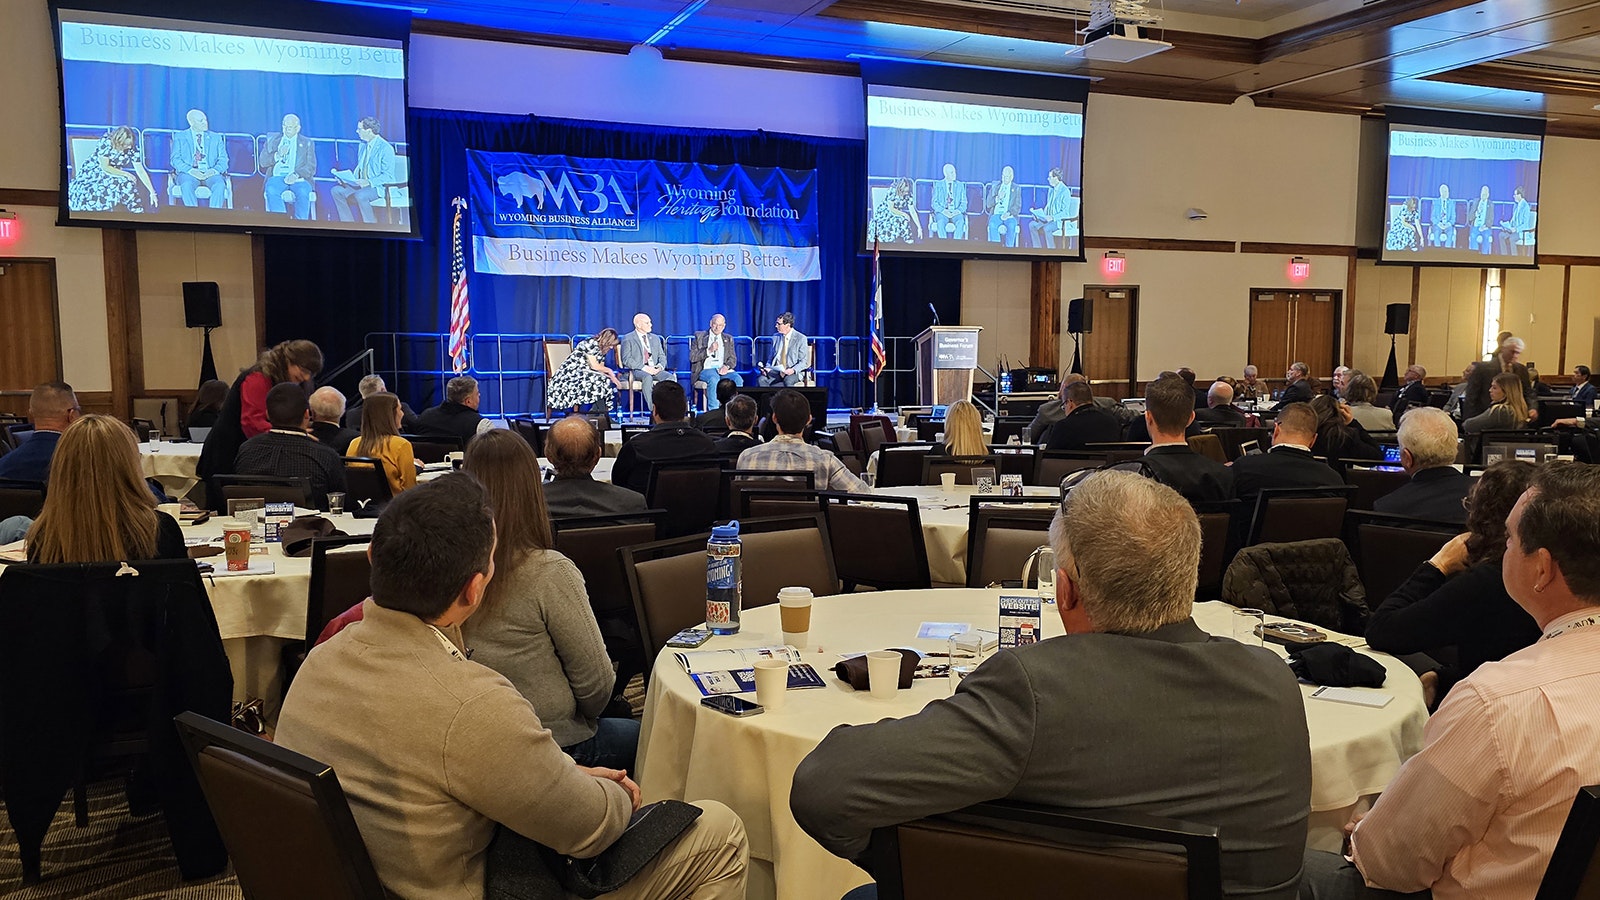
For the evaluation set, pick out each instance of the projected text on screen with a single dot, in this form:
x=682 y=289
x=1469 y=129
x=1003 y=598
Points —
x=1454 y=196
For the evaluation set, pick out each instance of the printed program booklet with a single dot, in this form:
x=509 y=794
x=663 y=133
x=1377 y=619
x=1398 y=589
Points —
x=731 y=672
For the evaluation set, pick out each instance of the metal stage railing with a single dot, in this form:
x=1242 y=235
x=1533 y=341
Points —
x=511 y=372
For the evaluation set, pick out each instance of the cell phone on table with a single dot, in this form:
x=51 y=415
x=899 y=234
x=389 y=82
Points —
x=689 y=637
x=733 y=706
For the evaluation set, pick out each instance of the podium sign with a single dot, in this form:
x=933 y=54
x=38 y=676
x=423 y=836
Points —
x=946 y=358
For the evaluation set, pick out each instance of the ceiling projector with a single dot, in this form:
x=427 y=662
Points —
x=1116 y=32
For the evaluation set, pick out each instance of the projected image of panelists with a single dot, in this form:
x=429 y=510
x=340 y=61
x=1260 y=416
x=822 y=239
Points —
x=239 y=124
x=1461 y=190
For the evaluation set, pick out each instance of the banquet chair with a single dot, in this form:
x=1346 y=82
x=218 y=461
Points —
x=1002 y=532
x=848 y=451
x=1008 y=427
x=142 y=428
x=786 y=551
x=871 y=432
x=556 y=351
x=432 y=448
x=95 y=660
x=629 y=432
x=271 y=488
x=529 y=430
x=339 y=580
x=364 y=481
x=18 y=432
x=762 y=502
x=1233 y=438
x=900 y=465
x=629 y=384
x=1217 y=521
x=1285 y=515
x=1020 y=461
x=1372 y=484
x=1004 y=848
x=21 y=498
x=877 y=541
x=592 y=544
x=1388 y=548
x=1574 y=869
x=808 y=376
x=1209 y=446
x=690 y=490
x=736 y=481
x=1052 y=465
x=283 y=816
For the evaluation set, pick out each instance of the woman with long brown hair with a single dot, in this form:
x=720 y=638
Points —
x=99 y=508
x=208 y=404
x=244 y=410
x=380 y=439
x=1508 y=410
x=1457 y=597
x=535 y=626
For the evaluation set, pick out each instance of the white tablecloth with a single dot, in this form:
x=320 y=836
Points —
x=692 y=753
x=171 y=464
x=944 y=514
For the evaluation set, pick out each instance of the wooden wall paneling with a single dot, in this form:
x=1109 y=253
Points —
x=29 y=197
x=1416 y=305
x=1350 y=311
x=1316 y=330
x=1092 y=242
x=1044 y=315
x=123 y=325
x=30 y=323
x=1270 y=330
x=1566 y=309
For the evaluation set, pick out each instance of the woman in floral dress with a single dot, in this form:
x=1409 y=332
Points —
x=111 y=176
x=584 y=378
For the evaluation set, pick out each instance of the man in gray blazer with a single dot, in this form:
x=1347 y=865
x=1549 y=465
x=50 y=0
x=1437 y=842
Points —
x=712 y=359
x=645 y=355
x=791 y=355
x=1134 y=709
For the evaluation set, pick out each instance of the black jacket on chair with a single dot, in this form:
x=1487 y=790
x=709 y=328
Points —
x=75 y=635
x=1084 y=425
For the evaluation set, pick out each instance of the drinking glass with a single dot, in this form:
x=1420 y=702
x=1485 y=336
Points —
x=335 y=503
x=1247 y=626
x=1046 y=563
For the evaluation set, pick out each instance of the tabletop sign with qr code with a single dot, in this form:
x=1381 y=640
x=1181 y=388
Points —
x=1019 y=620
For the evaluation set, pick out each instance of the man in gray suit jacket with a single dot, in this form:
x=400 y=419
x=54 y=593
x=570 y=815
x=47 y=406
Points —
x=791 y=355
x=645 y=355
x=1134 y=709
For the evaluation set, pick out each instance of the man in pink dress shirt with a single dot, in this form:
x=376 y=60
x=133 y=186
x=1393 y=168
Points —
x=1477 y=812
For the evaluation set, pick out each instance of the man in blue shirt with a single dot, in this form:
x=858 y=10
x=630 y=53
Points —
x=1520 y=223
x=1057 y=218
x=374 y=170
x=52 y=408
x=198 y=160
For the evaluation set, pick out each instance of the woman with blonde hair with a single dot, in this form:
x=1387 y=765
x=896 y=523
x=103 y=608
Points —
x=535 y=626
x=244 y=409
x=99 y=508
x=380 y=439
x=1508 y=408
x=963 y=431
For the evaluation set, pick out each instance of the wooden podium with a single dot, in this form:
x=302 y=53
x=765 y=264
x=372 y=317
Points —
x=946 y=358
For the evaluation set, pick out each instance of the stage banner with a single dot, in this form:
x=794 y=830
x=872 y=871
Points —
x=619 y=218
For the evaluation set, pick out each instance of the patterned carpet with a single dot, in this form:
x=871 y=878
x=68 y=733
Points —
x=117 y=857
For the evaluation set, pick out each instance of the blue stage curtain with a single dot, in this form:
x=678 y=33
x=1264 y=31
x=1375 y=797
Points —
x=328 y=289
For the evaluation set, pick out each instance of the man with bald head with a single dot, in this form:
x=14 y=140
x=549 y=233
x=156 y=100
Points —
x=199 y=159
x=644 y=355
x=1414 y=392
x=712 y=359
x=52 y=407
x=573 y=446
x=1220 y=409
x=288 y=159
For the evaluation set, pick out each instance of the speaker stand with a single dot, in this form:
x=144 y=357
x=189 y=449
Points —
x=208 y=364
x=1391 y=373
x=1077 y=361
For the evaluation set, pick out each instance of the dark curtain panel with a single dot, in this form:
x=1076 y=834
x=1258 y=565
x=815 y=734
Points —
x=338 y=290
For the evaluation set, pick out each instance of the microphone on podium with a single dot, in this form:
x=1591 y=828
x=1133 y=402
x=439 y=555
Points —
x=935 y=312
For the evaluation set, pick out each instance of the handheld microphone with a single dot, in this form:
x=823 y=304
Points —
x=935 y=312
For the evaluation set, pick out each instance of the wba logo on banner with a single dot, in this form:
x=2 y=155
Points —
x=567 y=196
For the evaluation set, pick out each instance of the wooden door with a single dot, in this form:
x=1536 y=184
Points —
x=1288 y=326
x=1109 y=348
x=28 y=321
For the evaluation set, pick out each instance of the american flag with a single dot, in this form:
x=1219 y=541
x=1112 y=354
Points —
x=876 y=364
x=460 y=311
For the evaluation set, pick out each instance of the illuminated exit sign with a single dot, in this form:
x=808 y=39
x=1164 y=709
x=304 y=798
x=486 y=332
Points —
x=9 y=231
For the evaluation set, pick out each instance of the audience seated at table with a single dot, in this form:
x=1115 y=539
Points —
x=51 y=408
x=452 y=778
x=1082 y=421
x=207 y=404
x=1359 y=392
x=244 y=409
x=788 y=450
x=535 y=625
x=1134 y=709
x=739 y=413
x=1298 y=386
x=1428 y=452
x=1476 y=398
x=99 y=508
x=380 y=439
x=327 y=415
x=457 y=416
x=373 y=384
x=1457 y=598
x=1508 y=411
x=1220 y=410
x=1338 y=437
x=573 y=445
x=1053 y=411
x=1289 y=464
x=716 y=419
x=1478 y=811
x=289 y=450
x=963 y=432
x=1168 y=412
x=671 y=437
x=1413 y=393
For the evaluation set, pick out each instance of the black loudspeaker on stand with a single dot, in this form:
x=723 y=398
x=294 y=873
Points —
x=1080 y=321
x=202 y=308
x=1397 y=320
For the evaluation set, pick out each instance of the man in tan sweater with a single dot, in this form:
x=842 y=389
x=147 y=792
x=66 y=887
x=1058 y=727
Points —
x=436 y=752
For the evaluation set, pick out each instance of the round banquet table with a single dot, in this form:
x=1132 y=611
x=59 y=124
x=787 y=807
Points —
x=944 y=514
x=172 y=464
x=688 y=752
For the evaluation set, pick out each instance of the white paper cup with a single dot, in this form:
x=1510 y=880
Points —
x=171 y=509
x=794 y=610
x=947 y=479
x=883 y=673
x=772 y=683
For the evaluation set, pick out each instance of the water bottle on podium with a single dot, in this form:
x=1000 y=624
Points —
x=724 y=579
